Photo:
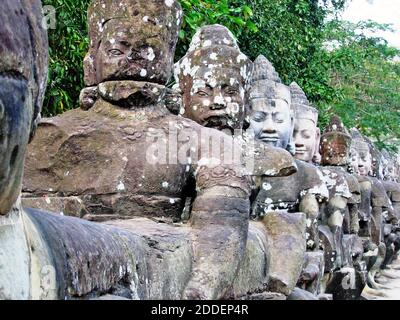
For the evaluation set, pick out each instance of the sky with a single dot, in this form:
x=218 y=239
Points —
x=382 y=11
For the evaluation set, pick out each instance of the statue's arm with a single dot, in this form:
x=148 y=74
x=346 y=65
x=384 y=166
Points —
x=220 y=220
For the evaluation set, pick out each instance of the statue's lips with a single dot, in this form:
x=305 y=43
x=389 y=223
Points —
x=217 y=119
x=362 y=171
x=269 y=138
x=301 y=151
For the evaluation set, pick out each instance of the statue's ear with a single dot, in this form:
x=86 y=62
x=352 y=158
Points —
x=89 y=68
x=317 y=158
x=291 y=147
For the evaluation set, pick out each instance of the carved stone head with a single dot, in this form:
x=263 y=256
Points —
x=306 y=133
x=271 y=115
x=335 y=144
x=377 y=161
x=132 y=40
x=389 y=167
x=362 y=151
x=353 y=159
x=23 y=75
x=213 y=77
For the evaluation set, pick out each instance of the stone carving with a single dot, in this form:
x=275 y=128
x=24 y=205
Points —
x=306 y=137
x=271 y=117
x=392 y=187
x=306 y=133
x=390 y=218
x=175 y=219
x=213 y=77
x=201 y=83
x=377 y=211
x=341 y=213
x=381 y=205
x=99 y=155
x=360 y=165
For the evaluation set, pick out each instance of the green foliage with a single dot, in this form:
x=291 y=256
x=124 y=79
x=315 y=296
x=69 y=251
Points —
x=290 y=34
x=68 y=46
x=236 y=17
x=366 y=78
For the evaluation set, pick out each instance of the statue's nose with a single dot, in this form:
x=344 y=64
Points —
x=218 y=103
x=217 y=106
x=268 y=126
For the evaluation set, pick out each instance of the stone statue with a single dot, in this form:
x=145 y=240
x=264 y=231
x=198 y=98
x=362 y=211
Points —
x=213 y=77
x=202 y=81
x=391 y=217
x=36 y=261
x=360 y=165
x=127 y=156
x=372 y=213
x=271 y=118
x=382 y=208
x=341 y=213
x=175 y=215
x=306 y=135
x=391 y=186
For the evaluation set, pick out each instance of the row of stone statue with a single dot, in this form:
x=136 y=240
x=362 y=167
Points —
x=222 y=187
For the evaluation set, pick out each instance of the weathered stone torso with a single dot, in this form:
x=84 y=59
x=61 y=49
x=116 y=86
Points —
x=285 y=193
x=393 y=191
x=119 y=163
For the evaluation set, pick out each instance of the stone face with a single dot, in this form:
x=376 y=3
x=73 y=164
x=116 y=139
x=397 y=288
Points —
x=306 y=134
x=335 y=144
x=268 y=96
x=213 y=77
x=286 y=233
x=131 y=39
x=363 y=153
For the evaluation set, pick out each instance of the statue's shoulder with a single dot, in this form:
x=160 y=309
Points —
x=353 y=183
x=379 y=195
x=336 y=182
x=68 y=121
x=312 y=179
x=267 y=161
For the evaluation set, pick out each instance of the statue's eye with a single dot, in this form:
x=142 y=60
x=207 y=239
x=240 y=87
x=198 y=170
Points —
x=258 y=118
x=202 y=93
x=231 y=92
x=115 y=52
